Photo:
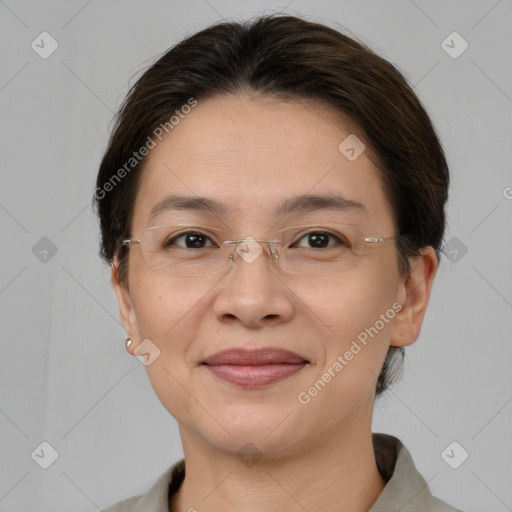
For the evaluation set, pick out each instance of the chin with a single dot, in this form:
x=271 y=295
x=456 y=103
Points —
x=246 y=436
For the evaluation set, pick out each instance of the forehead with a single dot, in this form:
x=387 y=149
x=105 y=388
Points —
x=251 y=154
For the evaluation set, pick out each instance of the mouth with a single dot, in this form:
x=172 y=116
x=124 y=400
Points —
x=254 y=368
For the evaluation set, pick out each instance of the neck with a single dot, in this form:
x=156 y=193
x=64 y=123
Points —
x=338 y=474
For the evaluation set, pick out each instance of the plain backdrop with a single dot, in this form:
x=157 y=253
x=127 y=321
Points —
x=65 y=377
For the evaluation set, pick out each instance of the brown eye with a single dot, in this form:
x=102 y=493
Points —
x=190 y=240
x=320 y=240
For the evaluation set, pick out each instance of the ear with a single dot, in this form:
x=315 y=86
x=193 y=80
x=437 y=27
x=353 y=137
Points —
x=125 y=303
x=414 y=294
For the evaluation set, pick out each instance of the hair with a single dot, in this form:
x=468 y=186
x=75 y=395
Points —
x=286 y=57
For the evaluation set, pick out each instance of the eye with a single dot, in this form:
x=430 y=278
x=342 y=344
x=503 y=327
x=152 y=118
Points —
x=189 y=240
x=321 y=240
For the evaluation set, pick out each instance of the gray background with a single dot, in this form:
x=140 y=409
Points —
x=65 y=377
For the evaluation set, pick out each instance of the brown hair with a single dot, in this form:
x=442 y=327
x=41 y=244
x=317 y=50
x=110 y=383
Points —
x=286 y=57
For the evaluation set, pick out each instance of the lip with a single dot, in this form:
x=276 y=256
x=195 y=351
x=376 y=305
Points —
x=261 y=356
x=254 y=368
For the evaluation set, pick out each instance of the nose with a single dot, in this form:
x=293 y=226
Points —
x=253 y=293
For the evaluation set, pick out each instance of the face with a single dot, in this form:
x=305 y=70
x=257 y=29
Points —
x=251 y=155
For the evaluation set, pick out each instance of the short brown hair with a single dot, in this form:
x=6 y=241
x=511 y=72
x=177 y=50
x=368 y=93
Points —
x=287 y=57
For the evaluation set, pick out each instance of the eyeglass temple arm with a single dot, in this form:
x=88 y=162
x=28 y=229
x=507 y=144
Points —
x=376 y=240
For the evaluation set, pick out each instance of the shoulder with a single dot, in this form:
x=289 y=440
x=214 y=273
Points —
x=406 y=490
x=124 y=506
x=156 y=499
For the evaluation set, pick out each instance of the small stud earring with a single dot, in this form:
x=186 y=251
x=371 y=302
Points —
x=128 y=342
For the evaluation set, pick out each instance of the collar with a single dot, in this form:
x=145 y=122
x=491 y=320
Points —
x=405 y=491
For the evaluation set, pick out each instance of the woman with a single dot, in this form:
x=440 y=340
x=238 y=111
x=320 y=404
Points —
x=272 y=206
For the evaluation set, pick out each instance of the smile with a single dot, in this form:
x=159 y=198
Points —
x=254 y=368
x=255 y=375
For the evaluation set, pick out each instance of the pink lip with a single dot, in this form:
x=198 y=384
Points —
x=262 y=356
x=252 y=368
x=254 y=376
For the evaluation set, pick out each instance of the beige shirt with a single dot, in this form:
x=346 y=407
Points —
x=405 y=490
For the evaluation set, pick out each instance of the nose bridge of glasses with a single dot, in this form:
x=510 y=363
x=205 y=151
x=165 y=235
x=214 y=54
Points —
x=249 y=249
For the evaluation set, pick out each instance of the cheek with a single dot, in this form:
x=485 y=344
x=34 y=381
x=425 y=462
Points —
x=168 y=314
x=357 y=309
x=352 y=301
x=163 y=305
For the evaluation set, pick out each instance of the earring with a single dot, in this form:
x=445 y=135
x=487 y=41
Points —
x=128 y=342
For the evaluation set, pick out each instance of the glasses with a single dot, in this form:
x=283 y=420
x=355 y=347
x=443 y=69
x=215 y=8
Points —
x=185 y=250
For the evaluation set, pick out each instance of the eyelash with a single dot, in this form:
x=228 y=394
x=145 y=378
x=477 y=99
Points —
x=338 y=238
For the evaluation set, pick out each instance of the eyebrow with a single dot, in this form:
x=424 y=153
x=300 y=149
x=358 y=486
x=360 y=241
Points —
x=300 y=203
